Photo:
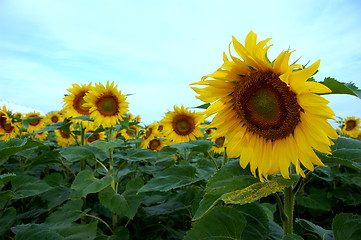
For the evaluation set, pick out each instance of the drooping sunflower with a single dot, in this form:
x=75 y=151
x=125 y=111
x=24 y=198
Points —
x=182 y=125
x=8 y=128
x=106 y=104
x=36 y=122
x=269 y=112
x=351 y=126
x=74 y=102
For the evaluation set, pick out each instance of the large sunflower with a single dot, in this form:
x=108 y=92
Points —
x=74 y=102
x=106 y=104
x=182 y=125
x=269 y=112
x=351 y=126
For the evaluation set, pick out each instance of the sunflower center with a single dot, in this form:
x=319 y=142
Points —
x=266 y=105
x=78 y=104
x=64 y=134
x=219 y=141
x=93 y=137
x=108 y=105
x=350 y=125
x=54 y=119
x=35 y=121
x=183 y=125
x=154 y=144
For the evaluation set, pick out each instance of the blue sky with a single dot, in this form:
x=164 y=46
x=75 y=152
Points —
x=155 y=49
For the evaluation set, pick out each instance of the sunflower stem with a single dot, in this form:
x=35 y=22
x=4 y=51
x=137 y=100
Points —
x=225 y=157
x=289 y=202
x=82 y=142
x=111 y=172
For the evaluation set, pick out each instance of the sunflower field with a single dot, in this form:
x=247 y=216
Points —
x=258 y=160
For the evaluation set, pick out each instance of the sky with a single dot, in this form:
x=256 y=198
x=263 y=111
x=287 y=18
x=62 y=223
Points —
x=155 y=49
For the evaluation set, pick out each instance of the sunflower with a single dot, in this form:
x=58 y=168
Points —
x=54 y=117
x=74 y=102
x=41 y=136
x=351 y=126
x=64 y=138
x=130 y=133
x=106 y=104
x=156 y=144
x=219 y=141
x=36 y=121
x=8 y=128
x=269 y=112
x=149 y=133
x=182 y=125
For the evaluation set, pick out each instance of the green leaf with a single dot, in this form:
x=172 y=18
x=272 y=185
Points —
x=341 y=87
x=292 y=237
x=69 y=212
x=347 y=226
x=346 y=151
x=85 y=183
x=197 y=145
x=105 y=146
x=7 y=219
x=257 y=190
x=50 y=128
x=257 y=221
x=5 y=196
x=75 y=231
x=45 y=158
x=125 y=204
x=203 y=106
x=311 y=227
x=171 y=178
x=229 y=178
x=318 y=201
x=15 y=145
x=78 y=153
x=220 y=223
x=6 y=177
x=56 y=196
x=35 y=231
x=26 y=186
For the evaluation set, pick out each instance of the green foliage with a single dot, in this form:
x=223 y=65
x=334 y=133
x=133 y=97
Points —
x=183 y=191
x=341 y=87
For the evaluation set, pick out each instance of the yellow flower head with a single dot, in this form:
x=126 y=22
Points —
x=8 y=128
x=106 y=104
x=74 y=102
x=130 y=133
x=351 y=126
x=64 y=138
x=182 y=125
x=156 y=144
x=219 y=141
x=54 y=117
x=91 y=136
x=149 y=133
x=268 y=111
x=38 y=122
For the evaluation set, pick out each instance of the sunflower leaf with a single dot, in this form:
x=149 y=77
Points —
x=256 y=191
x=225 y=222
x=347 y=226
x=341 y=87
